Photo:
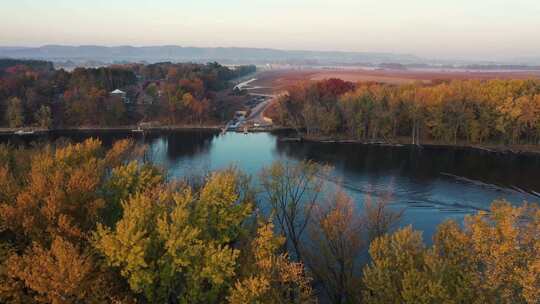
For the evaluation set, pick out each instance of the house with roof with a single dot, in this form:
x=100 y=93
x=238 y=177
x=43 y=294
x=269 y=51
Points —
x=121 y=94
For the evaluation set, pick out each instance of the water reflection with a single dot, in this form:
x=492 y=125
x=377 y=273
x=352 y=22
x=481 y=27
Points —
x=504 y=170
x=433 y=183
x=180 y=144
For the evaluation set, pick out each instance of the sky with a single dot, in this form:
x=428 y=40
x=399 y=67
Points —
x=457 y=29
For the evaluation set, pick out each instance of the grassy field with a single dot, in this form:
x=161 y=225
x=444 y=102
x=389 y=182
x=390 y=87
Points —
x=279 y=80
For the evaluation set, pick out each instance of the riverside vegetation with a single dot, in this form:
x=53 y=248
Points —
x=448 y=112
x=34 y=94
x=80 y=223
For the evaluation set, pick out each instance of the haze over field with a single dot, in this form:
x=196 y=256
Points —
x=485 y=30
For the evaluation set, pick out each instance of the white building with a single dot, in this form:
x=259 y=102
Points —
x=120 y=94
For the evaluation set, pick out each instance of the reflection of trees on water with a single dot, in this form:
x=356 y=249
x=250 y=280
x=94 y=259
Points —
x=374 y=163
x=183 y=143
x=375 y=160
x=106 y=137
x=422 y=164
x=178 y=143
x=364 y=169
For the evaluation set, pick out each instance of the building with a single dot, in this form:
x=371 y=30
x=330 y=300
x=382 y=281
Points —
x=121 y=94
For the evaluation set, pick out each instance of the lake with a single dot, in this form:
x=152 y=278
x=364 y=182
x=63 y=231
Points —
x=431 y=184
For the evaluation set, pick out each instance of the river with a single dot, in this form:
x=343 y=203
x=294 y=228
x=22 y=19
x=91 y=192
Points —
x=430 y=184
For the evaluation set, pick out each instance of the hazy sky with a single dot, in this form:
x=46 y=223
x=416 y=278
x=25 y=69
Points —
x=432 y=28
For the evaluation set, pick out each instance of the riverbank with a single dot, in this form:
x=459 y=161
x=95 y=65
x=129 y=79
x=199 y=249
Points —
x=7 y=131
x=405 y=142
x=399 y=142
x=128 y=128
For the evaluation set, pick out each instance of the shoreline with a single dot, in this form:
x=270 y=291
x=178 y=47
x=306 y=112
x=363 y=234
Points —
x=11 y=131
x=400 y=142
x=490 y=148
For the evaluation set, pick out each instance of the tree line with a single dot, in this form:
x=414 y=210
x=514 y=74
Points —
x=80 y=223
x=468 y=111
x=32 y=93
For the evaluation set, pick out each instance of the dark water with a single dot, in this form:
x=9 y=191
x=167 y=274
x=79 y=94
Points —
x=431 y=184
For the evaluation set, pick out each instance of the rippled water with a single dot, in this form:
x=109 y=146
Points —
x=432 y=183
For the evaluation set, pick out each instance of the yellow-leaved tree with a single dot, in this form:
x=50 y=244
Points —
x=176 y=244
x=493 y=258
x=270 y=277
x=51 y=199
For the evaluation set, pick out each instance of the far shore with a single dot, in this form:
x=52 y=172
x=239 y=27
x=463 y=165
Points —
x=112 y=128
x=216 y=127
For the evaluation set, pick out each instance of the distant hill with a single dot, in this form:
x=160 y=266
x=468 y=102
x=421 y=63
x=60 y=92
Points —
x=199 y=54
x=34 y=64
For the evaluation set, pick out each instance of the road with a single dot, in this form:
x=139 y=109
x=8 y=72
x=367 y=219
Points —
x=244 y=84
x=256 y=116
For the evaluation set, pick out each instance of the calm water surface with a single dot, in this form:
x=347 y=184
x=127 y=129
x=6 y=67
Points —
x=431 y=184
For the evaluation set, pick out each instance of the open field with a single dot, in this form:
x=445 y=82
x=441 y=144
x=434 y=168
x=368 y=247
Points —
x=278 y=80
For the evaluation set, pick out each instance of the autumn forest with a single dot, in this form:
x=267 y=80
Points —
x=34 y=94
x=444 y=111
x=270 y=152
x=82 y=223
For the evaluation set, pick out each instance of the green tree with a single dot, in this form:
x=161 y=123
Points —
x=43 y=117
x=125 y=180
x=14 y=113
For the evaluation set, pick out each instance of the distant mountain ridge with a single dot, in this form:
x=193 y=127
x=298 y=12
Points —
x=200 y=54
